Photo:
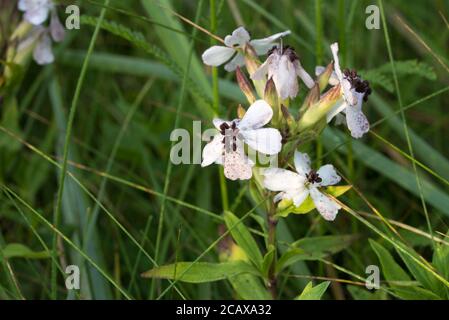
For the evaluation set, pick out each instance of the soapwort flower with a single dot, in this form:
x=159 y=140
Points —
x=283 y=66
x=234 y=44
x=36 y=11
x=354 y=91
x=297 y=186
x=227 y=147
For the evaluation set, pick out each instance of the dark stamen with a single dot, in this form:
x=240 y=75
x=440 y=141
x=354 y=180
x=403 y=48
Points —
x=313 y=176
x=360 y=86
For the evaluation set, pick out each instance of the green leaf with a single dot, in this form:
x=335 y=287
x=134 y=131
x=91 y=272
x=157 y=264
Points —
x=200 y=272
x=399 y=281
x=17 y=250
x=285 y=207
x=361 y=293
x=249 y=287
x=425 y=278
x=314 y=248
x=244 y=239
x=313 y=293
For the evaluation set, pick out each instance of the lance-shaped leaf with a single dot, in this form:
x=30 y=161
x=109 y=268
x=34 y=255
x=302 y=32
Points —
x=200 y=272
x=314 y=248
x=245 y=85
x=313 y=293
x=244 y=239
x=17 y=250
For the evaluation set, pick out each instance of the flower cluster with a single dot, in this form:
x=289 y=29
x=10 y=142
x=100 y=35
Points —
x=272 y=97
x=36 y=13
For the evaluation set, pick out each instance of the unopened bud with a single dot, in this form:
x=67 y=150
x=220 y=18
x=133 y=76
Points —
x=252 y=64
x=323 y=78
x=245 y=85
x=315 y=113
x=271 y=97
x=240 y=111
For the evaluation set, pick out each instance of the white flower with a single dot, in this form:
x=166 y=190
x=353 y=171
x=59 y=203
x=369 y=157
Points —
x=217 y=55
x=41 y=38
x=354 y=91
x=36 y=11
x=297 y=186
x=283 y=66
x=227 y=146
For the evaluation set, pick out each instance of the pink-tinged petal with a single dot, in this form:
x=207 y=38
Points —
x=262 y=71
x=276 y=179
x=43 y=53
x=37 y=15
x=238 y=38
x=337 y=68
x=56 y=28
x=302 y=163
x=213 y=151
x=257 y=115
x=263 y=45
x=264 y=140
x=327 y=207
x=304 y=75
x=284 y=77
x=328 y=175
x=357 y=122
x=217 y=55
x=237 y=166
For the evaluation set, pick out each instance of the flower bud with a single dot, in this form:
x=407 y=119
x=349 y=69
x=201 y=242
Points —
x=252 y=64
x=323 y=78
x=271 y=97
x=318 y=111
x=245 y=85
x=240 y=111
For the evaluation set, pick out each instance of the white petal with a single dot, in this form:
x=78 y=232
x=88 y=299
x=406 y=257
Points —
x=327 y=207
x=217 y=55
x=305 y=77
x=357 y=122
x=37 y=14
x=237 y=61
x=24 y=5
x=276 y=179
x=265 y=140
x=56 y=28
x=239 y=37
x=336 y=109
x=257 y=115
x=348 y=92
x=262 y=71
x=213 y=151
x=43 y=54
x=280 y=196
x=299 y=196
x=328 y=175
x=337 y=69
x=284 y=77
x=302 y=163
x=263 y=45
x=319 y=70
x=237 y=166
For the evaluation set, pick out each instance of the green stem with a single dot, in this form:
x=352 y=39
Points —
x=272 y=223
